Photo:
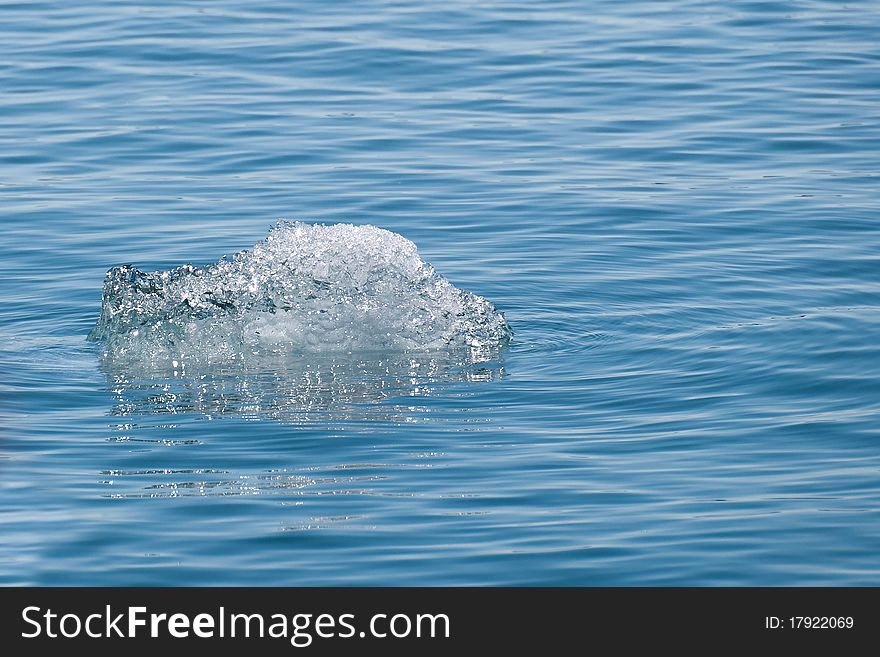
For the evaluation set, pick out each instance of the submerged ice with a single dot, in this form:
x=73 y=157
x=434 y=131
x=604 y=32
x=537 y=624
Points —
x=305 y=288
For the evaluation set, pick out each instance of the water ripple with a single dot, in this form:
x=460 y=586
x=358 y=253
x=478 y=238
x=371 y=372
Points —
x=675 y=206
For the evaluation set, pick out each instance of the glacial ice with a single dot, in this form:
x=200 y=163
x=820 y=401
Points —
x=304 y=288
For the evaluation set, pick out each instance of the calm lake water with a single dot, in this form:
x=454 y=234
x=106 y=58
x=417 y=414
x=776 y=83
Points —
x=674 y=204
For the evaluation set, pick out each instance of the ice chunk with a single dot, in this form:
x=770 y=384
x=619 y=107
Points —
x=305 y=288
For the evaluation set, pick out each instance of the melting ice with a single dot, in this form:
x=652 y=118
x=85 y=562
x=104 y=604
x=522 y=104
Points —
x=305 y=288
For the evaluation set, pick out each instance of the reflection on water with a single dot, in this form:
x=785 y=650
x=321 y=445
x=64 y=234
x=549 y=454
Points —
x=294 y=486
x=297 y=390
x=160 y=420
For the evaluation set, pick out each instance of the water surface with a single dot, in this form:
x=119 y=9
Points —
x=674 y=204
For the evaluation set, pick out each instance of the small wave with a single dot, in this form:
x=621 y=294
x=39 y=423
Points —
x=305 y=288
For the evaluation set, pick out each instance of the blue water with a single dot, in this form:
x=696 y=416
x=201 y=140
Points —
x=674 y=204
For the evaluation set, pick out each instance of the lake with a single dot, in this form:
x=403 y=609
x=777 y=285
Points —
x=674 y=205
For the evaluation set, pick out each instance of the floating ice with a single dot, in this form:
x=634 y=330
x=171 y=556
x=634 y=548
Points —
x=305 y=288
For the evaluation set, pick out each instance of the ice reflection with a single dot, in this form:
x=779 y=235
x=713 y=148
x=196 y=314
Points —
x=300 y=390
